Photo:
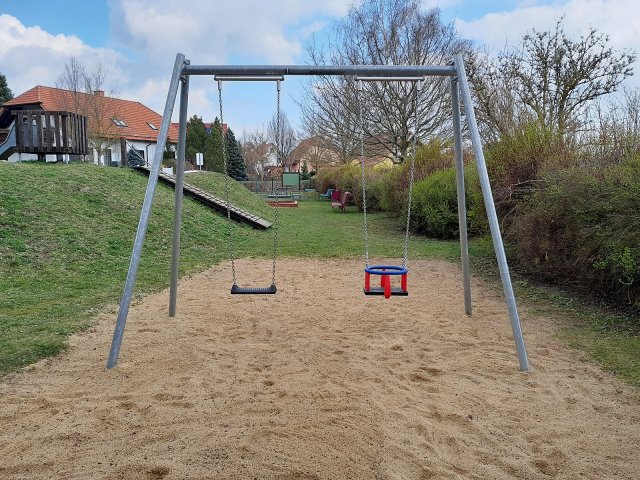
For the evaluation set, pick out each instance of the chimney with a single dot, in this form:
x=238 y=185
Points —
x=98 y=93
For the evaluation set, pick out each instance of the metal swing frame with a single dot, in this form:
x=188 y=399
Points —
x=182 y=70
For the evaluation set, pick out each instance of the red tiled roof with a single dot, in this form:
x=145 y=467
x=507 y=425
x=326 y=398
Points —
x=134 y=114
x=209 y=125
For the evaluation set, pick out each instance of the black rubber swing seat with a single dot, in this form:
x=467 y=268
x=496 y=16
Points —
x=236 y=290
x=395 y=291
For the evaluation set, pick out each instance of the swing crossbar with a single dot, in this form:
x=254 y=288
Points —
x=249 y=78
x=236 y=290
x=390 y=79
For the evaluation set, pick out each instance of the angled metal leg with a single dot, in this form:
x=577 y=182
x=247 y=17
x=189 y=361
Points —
x=492 y=215
x=145 y=214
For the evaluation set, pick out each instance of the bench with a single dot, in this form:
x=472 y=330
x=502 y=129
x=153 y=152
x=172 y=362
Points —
x=327 y=194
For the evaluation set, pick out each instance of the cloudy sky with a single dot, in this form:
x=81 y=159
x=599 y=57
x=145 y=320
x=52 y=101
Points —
x=137 y=40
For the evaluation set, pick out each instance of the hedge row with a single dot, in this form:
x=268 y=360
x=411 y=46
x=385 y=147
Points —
x=566 y=224
x=582 y=228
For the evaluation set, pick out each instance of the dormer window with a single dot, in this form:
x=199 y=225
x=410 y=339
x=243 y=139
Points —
x=119 y=122
x=153 y=127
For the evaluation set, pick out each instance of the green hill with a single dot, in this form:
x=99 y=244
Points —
x=66 y=233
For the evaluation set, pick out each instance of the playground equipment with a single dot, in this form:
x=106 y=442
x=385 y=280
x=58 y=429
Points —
x=46 y=133
x=183 y=70
x=235 y=289
x=385 y=272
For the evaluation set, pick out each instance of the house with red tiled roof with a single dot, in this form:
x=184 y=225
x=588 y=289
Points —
x=115 y=126
x=314 y=152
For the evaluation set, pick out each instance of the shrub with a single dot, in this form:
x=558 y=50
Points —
x=349 y=178
x=516 y=162
x=431 y=157
x=580 y=228
x=435 y=205
x=326 y=178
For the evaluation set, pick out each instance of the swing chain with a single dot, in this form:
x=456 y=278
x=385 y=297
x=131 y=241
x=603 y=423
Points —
x=364 y=186
x=226 y=185
x=275 y=221
x=411 y=171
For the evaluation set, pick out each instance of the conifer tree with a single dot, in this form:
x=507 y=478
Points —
x=213 y=160
x=235 y=162
x=196 y=138
x=5 y=92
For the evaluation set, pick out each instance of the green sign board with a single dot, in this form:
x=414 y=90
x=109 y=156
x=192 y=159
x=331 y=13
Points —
x=291 y=179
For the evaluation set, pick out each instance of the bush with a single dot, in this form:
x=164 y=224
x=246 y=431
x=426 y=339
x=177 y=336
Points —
x=326 y=178
x=580 y=228
x=431 y=157
x=516 y=161
x=349 y=178
x=435 y=205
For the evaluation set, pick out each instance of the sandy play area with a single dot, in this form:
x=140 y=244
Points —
x=319 y=382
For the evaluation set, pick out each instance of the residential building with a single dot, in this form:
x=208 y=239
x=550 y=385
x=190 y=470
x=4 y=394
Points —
x=115 y=126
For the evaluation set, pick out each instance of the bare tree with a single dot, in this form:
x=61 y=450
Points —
x=256 y=150
x=557 y=77
x=614 y=131
x=498 y=109
x=327 y=114
x=283 y=136
x=382 y=32
x=87 y=97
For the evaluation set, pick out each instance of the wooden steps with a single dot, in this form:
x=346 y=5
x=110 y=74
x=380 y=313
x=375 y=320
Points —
x=216 y=203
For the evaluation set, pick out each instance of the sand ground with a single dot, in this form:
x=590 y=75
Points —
x=318 y=382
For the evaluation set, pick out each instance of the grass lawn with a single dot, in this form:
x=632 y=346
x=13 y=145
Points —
x=66 y=233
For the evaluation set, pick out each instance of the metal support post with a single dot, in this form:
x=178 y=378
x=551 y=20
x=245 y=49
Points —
x=145 y=214
x=491 y=214
x=462 y=206
x=177 y=213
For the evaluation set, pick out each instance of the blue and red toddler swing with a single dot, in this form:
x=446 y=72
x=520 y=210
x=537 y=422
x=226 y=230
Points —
x=385 y=272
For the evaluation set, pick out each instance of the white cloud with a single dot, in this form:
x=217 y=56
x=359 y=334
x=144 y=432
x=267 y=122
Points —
x=216 y=31
x=31 y=56
x=211 y=32
x=496 y=30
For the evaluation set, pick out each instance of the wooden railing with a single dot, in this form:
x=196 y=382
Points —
x=39 y=131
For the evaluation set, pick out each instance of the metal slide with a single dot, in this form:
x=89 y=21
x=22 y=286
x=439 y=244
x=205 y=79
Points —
x=10 y=143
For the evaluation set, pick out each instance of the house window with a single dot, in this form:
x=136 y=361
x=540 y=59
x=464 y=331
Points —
x=119 y=122
x=152 y=126
x=141 y=153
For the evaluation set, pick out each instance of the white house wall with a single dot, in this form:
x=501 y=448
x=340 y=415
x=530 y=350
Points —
x=148 y=148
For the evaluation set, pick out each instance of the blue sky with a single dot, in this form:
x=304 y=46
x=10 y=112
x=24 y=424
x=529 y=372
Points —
x=137 y=40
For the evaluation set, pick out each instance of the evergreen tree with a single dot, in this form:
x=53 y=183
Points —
x=134 y=159
x=5 y=92
x=213 y=160
x=235 y=162
x=196 y=138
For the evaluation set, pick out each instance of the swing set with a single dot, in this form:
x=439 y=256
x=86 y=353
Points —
x=183 y=70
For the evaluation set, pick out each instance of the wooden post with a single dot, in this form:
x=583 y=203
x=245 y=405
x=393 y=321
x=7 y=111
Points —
x=123 y=152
